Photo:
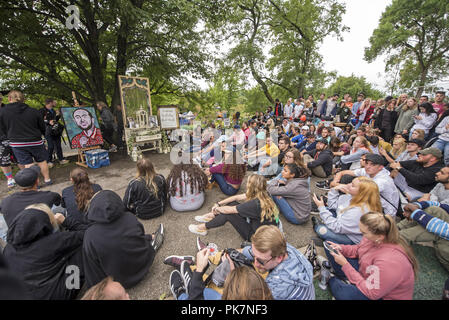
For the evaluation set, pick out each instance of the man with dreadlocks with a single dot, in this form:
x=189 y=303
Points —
x=186 y=185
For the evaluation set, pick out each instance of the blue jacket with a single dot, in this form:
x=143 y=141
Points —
x=303 y=145
x=292 y=279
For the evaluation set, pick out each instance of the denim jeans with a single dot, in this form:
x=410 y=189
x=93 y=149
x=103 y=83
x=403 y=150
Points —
x=287 y=211
x=340 y=289
x=226 y=188
x=444 y=147
x=324 y=233
x=208 y=294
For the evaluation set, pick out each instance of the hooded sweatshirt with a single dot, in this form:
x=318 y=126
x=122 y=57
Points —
x=22 y=125
x=40 y=257
x=115 y=243
x=292 y=279
x=385 y=271
x=296 y=193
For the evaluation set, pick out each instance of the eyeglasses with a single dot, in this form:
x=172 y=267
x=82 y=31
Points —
x=262 y=263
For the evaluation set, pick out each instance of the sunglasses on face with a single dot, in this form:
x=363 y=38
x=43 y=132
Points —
x=261 y=262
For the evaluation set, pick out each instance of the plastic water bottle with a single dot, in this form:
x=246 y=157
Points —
x=325 y=275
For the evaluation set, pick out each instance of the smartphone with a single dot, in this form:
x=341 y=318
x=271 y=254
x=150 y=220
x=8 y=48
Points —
x=328 y=247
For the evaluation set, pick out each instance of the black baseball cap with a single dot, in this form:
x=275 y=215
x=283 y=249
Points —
x=322 y=141
x=375 y=158
x=27 y=177
x=419 y=142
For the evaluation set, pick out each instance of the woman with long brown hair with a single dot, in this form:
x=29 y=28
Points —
x=186 y=187
x=342 y=214
x=146 y=194
x=76 y=197
x=258 y=208
x=229 y=174
x=381 y=266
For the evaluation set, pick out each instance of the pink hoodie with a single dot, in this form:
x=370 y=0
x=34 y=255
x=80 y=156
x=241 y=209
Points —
x=385 y=272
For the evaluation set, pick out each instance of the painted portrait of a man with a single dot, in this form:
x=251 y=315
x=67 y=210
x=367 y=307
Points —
x=82 y=127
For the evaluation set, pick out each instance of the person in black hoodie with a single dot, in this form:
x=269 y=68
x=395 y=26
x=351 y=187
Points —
x=53 y=132
x=320 y=159
x=12 y=287
x=115 y=243
x=24 y=128
x=146 y=195
x=45 y=259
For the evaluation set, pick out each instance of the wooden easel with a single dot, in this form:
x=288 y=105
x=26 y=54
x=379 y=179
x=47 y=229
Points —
x=81 y=157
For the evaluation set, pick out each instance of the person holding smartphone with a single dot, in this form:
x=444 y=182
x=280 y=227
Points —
x=382 y=266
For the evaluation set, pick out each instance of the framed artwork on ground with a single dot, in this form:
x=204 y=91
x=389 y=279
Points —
x=82 y=127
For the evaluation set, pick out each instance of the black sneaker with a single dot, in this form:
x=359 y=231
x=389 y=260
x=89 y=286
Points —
x=186 y=274
x=315 y=221
x=176 y=284
x=200 y=244
x=324 y=185
x=158 y=238
x=176 y=261
x=48 y=183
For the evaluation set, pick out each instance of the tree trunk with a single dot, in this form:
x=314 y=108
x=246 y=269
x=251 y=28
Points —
x=422 y=83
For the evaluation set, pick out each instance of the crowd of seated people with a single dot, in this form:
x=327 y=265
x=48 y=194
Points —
x=382 y=165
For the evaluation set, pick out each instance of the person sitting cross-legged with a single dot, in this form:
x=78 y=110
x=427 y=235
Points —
x=115 y=244
x=292 y=194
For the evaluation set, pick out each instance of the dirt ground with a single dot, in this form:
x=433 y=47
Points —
x=178 y=239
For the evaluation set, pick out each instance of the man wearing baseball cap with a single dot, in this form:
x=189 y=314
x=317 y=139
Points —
x=319 y=160
x=410 y=153
x=28 y=180
x=416 y=177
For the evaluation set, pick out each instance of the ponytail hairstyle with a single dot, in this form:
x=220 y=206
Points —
x=382 y=224
x=298 y=171
x=146 y=172
x=82 y=188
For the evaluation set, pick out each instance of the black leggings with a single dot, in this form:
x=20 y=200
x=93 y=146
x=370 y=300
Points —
x=243 y=228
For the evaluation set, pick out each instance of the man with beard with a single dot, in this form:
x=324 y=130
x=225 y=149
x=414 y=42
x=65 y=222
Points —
x=91 y=135
x=441 y=191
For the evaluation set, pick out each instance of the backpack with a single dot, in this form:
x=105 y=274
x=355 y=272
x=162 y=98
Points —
x=57 y=129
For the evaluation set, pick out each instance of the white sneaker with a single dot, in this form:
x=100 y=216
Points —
x=11 y=183
x=50 y=164
x=113 y=149
x=64 y=161
x=194 y=229
x=202 y=219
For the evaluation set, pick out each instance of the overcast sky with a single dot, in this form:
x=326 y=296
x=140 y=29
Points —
x=362 y=17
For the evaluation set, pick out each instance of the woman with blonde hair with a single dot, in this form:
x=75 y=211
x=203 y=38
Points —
x=146 y=194
x=257 y=209
x=382 y=266
x=360 y=146
x=342 y=214
x=399 y=146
